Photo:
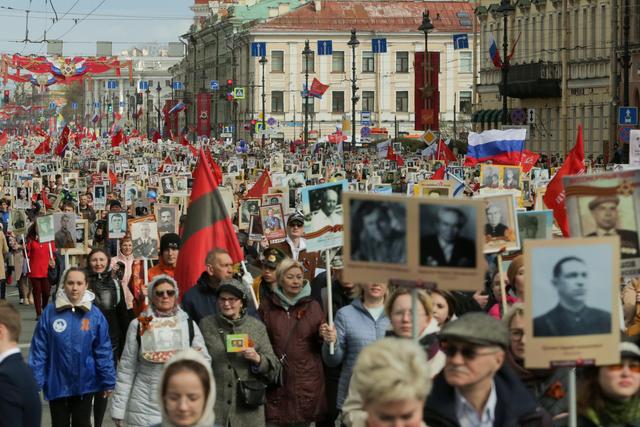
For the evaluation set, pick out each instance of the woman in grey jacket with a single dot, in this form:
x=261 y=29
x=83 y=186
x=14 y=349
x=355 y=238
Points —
x=356 y=325
x=152 y=338
x=254 y=360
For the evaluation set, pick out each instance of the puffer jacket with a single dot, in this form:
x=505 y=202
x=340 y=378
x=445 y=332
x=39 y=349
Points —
x=71 y=350
x=138 y=379
x=355 y=329
x=302 y=398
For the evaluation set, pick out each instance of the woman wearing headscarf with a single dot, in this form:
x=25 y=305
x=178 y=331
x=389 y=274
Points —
x=122 y=264
x=187 y=391
x=152 y=338
x=254 y=363
x=70 y=354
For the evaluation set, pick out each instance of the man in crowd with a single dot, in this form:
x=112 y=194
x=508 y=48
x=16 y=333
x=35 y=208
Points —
x=475 y=388
x=295 y=245
x=169 y=250
x=447 y=248
x=85 y=208
x=604 y=210
x=327 y=216
x=571 y=316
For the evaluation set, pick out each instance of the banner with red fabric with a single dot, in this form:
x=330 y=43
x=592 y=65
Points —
x=170 y=120
x=427 y=110
x=203 y=105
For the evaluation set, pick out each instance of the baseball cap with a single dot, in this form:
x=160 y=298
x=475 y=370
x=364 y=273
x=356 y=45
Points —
x=296 y=217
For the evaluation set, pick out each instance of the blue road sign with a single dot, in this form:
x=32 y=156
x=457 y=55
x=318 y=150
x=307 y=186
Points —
x=365 y=118
x=96 y=104
x=258 y=49
x=325 y=47
x=121 y=103
x=460 y=41
x=628 y=115
x=214 y=85
x=144 y=85
x=178 y=85
x=624 y=134
x=379 y=45
x=52 y=105
x=365 y=132
x=112 y=84
x=74 y=105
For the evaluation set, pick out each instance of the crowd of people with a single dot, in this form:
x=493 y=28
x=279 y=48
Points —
x=115 y=338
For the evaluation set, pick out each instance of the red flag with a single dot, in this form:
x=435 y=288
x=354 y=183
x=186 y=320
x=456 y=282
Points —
x=14 y=156
x=156 y=136
x=193 y=150
x=444 y=153
x=93 y=137
x=45 y=199
x=62 y=143
x=183 y=140
x=528 y=160
x=113 y=178
x=439 y=173
x=117 y=139
x=168 y=161
x=317 y=89
x=554 y=197
x=44 y=147
x=207 y=226
x=78 y=139
x=391 y=155
x=261 y=186
x=4 y=138
x=217 y=172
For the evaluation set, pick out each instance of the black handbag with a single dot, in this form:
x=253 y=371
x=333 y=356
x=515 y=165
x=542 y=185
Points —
x=279 y=379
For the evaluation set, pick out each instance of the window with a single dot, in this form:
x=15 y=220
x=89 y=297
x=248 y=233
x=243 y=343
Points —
x=167 y=83
x=465 y=62
x=277 y=101
x=464 y=19
x=402 y=101
x=465 y=101
x=310 y=106
x=337 y=62
x=337 y=101
x=402 y=62
x=311 y=60
x=368 y=66
x=277 y=61
x=368 y=100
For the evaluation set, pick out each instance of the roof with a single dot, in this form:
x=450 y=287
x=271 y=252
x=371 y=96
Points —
x=381 y=16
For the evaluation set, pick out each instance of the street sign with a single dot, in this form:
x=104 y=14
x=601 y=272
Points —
x=178 y=85
x=121 y=103
x=272 y=121
x=214 y=85
x=259 y=127
x=226 y=135
x=143 y=85
x=365 y=131
x=74 y=105
x=624 y=134
x=628 y=115
x=112 y=84
x=365 y=118
x=460 y=41
x=531 y=115
x=379 y=45
x=258 y=49
x=325 y=47
x=52 y=105
x=238 y=93
x=429 y=136
x=96 y=104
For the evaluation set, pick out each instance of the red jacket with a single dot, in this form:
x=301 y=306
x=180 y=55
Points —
x=39 y=257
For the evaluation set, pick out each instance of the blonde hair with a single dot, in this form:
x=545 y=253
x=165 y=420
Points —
x=516 y=309
x=286 y=265
x=358 y=291
x=423 y=298
x=391 y=369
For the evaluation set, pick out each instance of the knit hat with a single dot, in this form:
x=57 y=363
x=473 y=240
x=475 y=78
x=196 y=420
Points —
x=169 y=241
x=234 y=287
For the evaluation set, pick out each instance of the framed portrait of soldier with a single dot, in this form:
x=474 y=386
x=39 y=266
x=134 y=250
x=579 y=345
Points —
x=23 y=197
x=273 y=199
x=36 y=185
x=315 y=170
x=273 y=225
x=277 y=163
x=167 y=185
x=322 y=209
x=490 y=176
x=131 y=193
x=81 y=238
x=501 y=227
x=511 y=177
x=99 y=197
x=535 y=225
x=102 y=167
x=46 y=231
x=572 y=304
x=248 y=207
x=18 y=222
x=117 y=225
x=145 y=240
x=167 y=217
x=607 y=204
x=64 y=227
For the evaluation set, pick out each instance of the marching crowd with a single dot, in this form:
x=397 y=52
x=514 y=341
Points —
x=114 y=339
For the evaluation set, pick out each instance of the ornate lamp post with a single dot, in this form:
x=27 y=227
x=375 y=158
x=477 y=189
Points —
x=427 y=91
x=505 y=9
x=263 y=62
x=148 y=91
x=306 y=52
x=353 y=43
x=158 y=89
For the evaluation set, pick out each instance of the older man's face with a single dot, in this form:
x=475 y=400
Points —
x=572 y=282
x=463 y=371
x=330 y=202
x=493 y=215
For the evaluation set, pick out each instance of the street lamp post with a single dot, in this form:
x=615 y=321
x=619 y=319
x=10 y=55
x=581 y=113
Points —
x=306 y=52
x=353 y=43
x=427 y=91
x=127 y=101
x=263 y=62
x=147 y=92
x=505 y=9
x=158 y=89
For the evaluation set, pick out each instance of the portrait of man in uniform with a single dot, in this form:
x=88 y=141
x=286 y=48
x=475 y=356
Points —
x=443 y=244
x=605 y=213
x=63 y=224
x=145 y=243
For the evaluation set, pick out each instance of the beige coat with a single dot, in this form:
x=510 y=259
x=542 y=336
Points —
x=4 y=251
x=629 y=300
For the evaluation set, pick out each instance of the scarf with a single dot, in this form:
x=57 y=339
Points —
x=616 y=412
x=529 y=377
x=290 y=302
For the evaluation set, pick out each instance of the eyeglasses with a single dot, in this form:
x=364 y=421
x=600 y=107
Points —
x=468 y=352
x=295 y=224
x=517 y=334
x=633 y=367
x=168 y=293
x=231 y=300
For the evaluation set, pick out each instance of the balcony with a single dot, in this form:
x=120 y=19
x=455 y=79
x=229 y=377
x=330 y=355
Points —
x=537 y=80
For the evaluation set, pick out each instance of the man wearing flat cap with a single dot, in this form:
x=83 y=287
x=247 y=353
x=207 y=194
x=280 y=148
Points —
x=476 y=388
x=604 y=210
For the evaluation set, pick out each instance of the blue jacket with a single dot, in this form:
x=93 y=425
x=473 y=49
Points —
x=71 y=350
x=355 y=329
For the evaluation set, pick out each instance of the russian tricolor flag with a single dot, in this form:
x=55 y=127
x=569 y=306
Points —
x=180 y=106
x=502 y=147
x=494 y=52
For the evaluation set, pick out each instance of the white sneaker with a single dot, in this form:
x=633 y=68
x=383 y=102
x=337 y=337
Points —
x=21 y=300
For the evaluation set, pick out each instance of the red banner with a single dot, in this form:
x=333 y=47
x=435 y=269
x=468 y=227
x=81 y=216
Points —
x=427 y=109
x=203 y=104
x=170 y=120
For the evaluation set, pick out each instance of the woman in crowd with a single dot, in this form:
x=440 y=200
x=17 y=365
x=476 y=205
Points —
x=40 y=260
x=71 y=355
x=496 y=309
x=109 y=298
x=515 y=276
x=19 y=270
x=187 y=391
x=392 y=378
x=610 y=395
x=152 y=338
x=548 y=386
x=122 y=265
x=293 y=322
x=356 y=326
x=255 y=364
x=443 y=306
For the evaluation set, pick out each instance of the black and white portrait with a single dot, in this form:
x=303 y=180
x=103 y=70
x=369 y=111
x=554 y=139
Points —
x=23 y=198
x=117 y=224
x=535 y=225
x=378 y=231
x=447 y=236
x=490 y=176
x=500 y=230
x=64 y=227
x=99 y=195
x=145 y=240
x=103 y=166
x=511 y=178
x=325 y=207
x=167 y=218
x=167 y=185
x=45 y=228
x=249 y=207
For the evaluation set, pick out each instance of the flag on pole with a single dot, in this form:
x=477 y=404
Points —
x=502 y=147
x=494 y=53
x=317 y=89
x=261 y=186
x=4 y=138
x=444 y=152
x=61 y=148
x=180 y=106
x=529 y=159
x=207 y=227
x=156 y=137
x=117 y=139
x=44 y=147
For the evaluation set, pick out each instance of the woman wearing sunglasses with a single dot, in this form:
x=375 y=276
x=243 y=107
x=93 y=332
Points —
x=152 y=338
x=609 y=395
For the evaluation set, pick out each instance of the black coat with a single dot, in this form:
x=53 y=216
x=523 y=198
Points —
x=463 y=254
x=515 y=406
x=19 y=401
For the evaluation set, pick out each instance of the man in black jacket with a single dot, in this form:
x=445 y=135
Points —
x=475 y=387
x=19 y=401
x=446 y=247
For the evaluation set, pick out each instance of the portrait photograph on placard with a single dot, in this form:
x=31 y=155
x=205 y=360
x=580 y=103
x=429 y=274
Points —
x=273 y=199
x=248 y=207
x=255 y=228
x=535 y=225
x=501 y=227
x=489 y=176
x=99 y=197
x=604 y=205
x=433 y=188
x=23 y=198
x=81 y=237
x=102 y=167
x=64 y=225
x=273 y=226
x=572 y=304
x=167 y=217
x=18 y=222
x=511 y=176
x=117 y=224
x=323 y=214
x=145 y=240
x=167 y=185
x=132 y=193
x=45 y=228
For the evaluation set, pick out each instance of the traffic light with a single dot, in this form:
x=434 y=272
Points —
x=229 y=90
x=6 y=96
x=110 y=108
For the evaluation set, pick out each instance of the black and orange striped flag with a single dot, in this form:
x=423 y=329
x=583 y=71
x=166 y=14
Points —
x=207 y=226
